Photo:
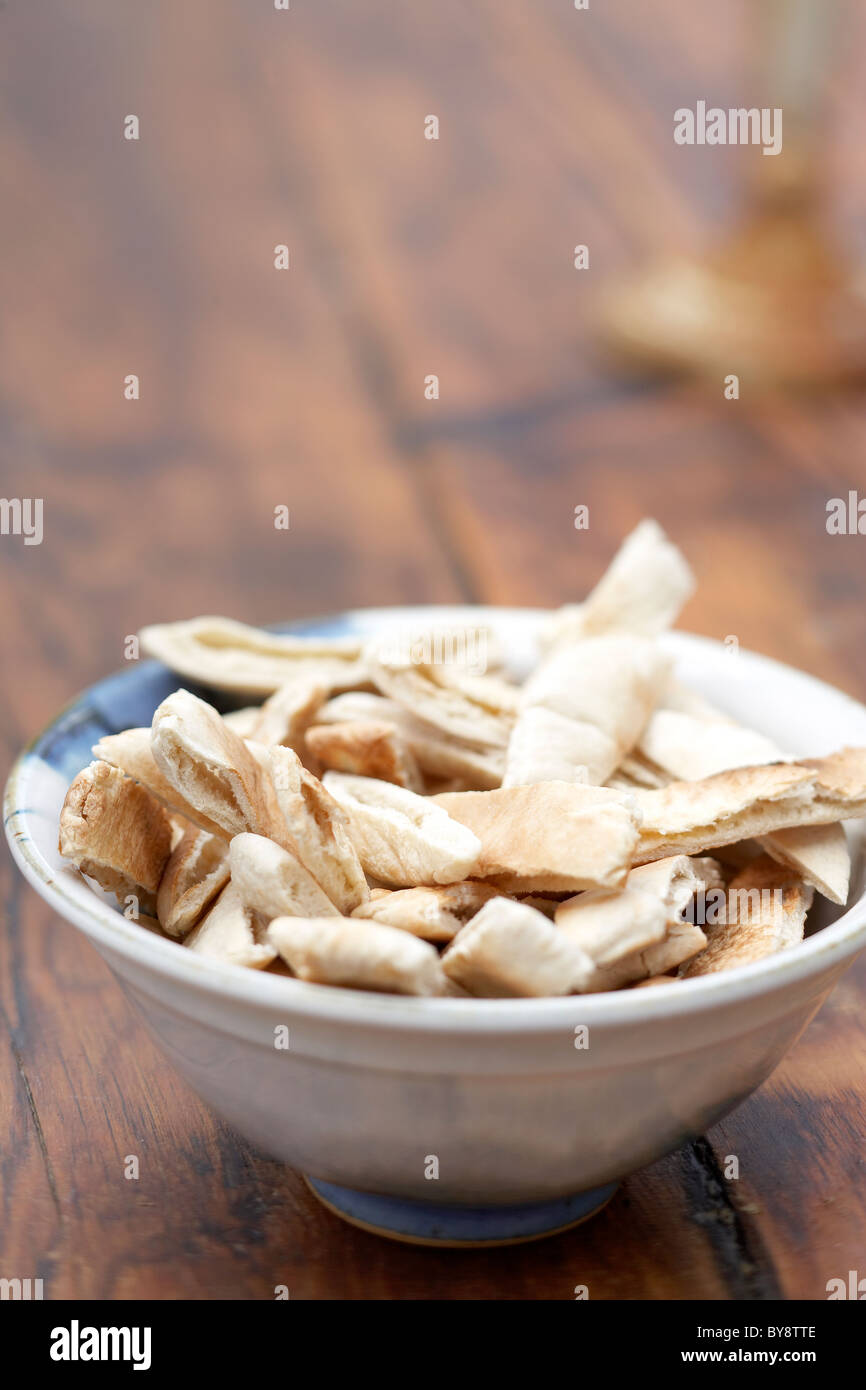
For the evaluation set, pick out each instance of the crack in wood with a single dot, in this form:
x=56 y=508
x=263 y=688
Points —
x=747 y=1269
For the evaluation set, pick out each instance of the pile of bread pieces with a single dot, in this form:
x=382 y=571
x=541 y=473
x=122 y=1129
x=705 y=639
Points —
x=422 y=828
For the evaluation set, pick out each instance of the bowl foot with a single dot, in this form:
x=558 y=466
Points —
x=428 y=1223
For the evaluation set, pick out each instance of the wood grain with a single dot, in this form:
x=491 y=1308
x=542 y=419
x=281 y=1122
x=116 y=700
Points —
x=306 y=388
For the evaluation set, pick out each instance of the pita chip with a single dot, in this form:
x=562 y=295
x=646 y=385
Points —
x=765 y=913
x=366 y=748
x=318 y=830
x=549 y=747
x=286 y=715
x=688 y=817
x=273 y=882
x=195 y=873
x=693 y=746
x=642 y=591
x=549 y=837
x=509 y=949
x=608 y=687
x=212 y=769
x=688 y=748
x=229 y=932
x=436 y=914
x=818 y=853
x=403 y=840
x=639 y=930
x=357 y=955
x=248 y=660
x=446 y=709
x=438 y=755
x=114 y=831
x=132 y=753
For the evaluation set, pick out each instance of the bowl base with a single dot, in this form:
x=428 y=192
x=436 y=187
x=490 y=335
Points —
x=428 y=1223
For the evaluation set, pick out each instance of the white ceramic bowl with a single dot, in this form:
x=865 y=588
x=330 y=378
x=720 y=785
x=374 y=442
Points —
x=373 y=1085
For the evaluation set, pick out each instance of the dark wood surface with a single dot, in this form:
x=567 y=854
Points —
x=408 y=257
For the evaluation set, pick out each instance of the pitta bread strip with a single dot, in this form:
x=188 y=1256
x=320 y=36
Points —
x=493 y=693
x=287 y=714
x=758 y=924
x=116 y=833
x=675 y=881
x=273 y=882
x=247 y=660
x=212 y=768
x=549 y=837
x=230 y=933
x=242 y=721
x=132 y=753
x=635 y=771
x=608 y=687
x=688 y=817
x=509 y=949
x=546 y=746
x=366 y=748
x=690 y=747
x=357 y=955
x=443 y=708
x=195 y=873
x=438 y=755
x=638 y=930
x=682 y=942
x=403 y=840
x=818 y=853
x=317 y=828
x=436 y=914
x=642 y=591
x=609 y=923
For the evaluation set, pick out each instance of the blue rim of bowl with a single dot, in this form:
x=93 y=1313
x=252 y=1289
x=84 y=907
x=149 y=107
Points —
x=835 y=945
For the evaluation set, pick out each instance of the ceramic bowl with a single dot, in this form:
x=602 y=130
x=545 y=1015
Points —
x=451 y=1120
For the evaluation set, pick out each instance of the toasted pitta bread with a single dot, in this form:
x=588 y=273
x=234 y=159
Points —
x=132 y=753
x=509 y=949
x=248 y=660
x=549 y=747
x=318 y=830
x=607 y=687
x=438 y=755
x=273 y=882
x=642 y=591
x=688 y=817
x=670 y=884
x=196 y=872
x=688 y=748
x=212 y=769
x=758 y=923
x=357 y=955
x=443 y=708
x=436 y=914
x=116 y=833
x=819 y=853
x=549 y=837
x=229 y=932
x=366 y=748
x=286 y=715
x=403 y=840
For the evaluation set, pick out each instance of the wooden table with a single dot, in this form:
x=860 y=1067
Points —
x=408 y=258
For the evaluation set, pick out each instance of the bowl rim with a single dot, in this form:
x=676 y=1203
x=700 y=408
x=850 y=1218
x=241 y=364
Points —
x=833 y=946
